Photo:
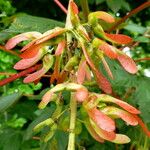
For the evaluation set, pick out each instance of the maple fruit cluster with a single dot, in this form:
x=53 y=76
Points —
x=71 y=56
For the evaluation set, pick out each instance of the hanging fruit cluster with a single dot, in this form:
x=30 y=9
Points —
x=71 y=55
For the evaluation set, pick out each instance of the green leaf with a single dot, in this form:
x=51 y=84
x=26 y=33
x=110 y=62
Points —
x=124 y=81
x=62 y=140
x=142 y=39
x=25 y=23
x=142 y=97
x=10 y=140
x=9 y=100
x=13 y=143
x=16 y=122
x=25 y=109
x=6 y=8
x=46 y=113
x=4 y=35
x=126 y=5
x=135 y=28
x=114 y=5
x=99 y=2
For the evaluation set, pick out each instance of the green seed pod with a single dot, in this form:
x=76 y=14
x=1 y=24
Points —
x=82 y=31
x=41 y=125
x=99 y=54
x=92 y=20
x=78 y=128
x=48 y=61
x=83 y=112
x=74 y=86
x=57 y=111
x=101 y=105
x=96 y=43
x=71 y=63
x=64 y=125
x=51 y=133
x=58 y=88
x=99 y=32
x=48 y=96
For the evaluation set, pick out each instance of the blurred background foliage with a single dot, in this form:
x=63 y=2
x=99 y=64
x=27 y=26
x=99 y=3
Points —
x=18 y=101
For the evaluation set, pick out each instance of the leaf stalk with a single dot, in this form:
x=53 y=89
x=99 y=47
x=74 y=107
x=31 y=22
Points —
x=73 y=110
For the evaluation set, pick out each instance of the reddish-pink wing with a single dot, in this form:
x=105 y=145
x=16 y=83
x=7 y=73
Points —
x=74 y=7
x=34 y=76
x=105 y=16
x=127 y=63
x=60 y=48
x=81 y=72
x=102 y=120
x=108 y=50
x=119 y=38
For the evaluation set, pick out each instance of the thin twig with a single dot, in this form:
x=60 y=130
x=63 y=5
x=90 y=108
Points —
x=9 y=51
x=29 y=95
x=85 y=9
x=36 y=138
x=142 y=59
x=61 y=6
x=73 y=108
x=18 y=75
x=10 y=74
x=7 y=73
x=131 y=13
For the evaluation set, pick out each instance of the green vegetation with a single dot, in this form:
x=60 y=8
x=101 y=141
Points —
x=19 y=112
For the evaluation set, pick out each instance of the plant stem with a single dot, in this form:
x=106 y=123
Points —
x=61 y=6
x=142 y=59
x=85 y=9
x=9 y=51
x=131 y=13
x=18 y=75
x=69 y=26
x=73 y=109
x=68 y=19
x=146 y=143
